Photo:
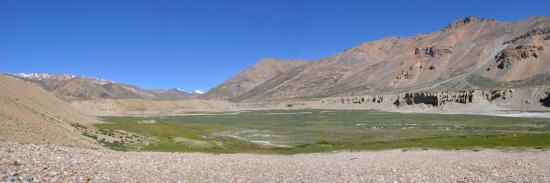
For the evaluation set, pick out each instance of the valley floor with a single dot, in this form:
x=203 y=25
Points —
x=42 y=163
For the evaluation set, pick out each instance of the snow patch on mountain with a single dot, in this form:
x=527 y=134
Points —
x=200 y=92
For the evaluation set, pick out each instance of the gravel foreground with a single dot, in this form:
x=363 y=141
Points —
x=50 y=163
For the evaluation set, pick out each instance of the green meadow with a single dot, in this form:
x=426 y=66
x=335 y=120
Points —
x=310 y=131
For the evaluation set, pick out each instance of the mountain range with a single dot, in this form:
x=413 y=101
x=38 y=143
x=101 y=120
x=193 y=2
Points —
x=71 y=87
x=469 y=53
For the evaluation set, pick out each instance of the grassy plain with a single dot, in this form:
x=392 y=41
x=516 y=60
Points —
x=308 y=131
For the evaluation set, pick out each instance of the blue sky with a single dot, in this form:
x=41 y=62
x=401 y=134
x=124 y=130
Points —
x=198 y=44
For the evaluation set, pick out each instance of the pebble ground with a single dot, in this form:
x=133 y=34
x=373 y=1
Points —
x=50 y=163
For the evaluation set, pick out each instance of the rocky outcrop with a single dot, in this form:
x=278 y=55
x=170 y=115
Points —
x=544 y=32
x=430 y=55
x=435 y=99
x=505 y=57
x=528 y=45
x=354 y=100
x=494 y=94
x=418 y=98
x=434 y=51
x=461 y=22
x=545 y=101
x=465 y=21
x=404 y=75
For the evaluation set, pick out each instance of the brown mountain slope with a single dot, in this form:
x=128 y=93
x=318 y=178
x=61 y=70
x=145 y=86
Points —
x=30 y=114
x=70 y=87
x=251 y=78
x=469 y=53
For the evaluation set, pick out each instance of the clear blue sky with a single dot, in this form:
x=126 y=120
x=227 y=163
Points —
x=198 y=44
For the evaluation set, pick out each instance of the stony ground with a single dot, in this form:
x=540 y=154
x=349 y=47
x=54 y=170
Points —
x=49 y=163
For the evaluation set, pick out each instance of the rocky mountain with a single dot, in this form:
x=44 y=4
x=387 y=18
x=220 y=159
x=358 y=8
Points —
x=30 y=114
x=71 y=87
x=468 y=54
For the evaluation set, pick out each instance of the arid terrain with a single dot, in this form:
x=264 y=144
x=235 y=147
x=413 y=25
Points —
x=49 y=163
x=404 y=100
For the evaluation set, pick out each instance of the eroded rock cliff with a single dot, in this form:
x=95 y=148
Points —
x=531 y=98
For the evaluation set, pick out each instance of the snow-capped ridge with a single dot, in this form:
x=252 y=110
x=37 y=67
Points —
x=44 y=76
x=73 y=87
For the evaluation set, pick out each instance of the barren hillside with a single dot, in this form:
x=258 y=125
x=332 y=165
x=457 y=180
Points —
x=469 y=53
x=246 y=83
x=30 y=114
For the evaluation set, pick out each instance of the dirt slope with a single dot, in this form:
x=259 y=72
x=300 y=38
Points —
x=467 y=54
x=252 y=78
x=149 y=107
x=30 y=114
